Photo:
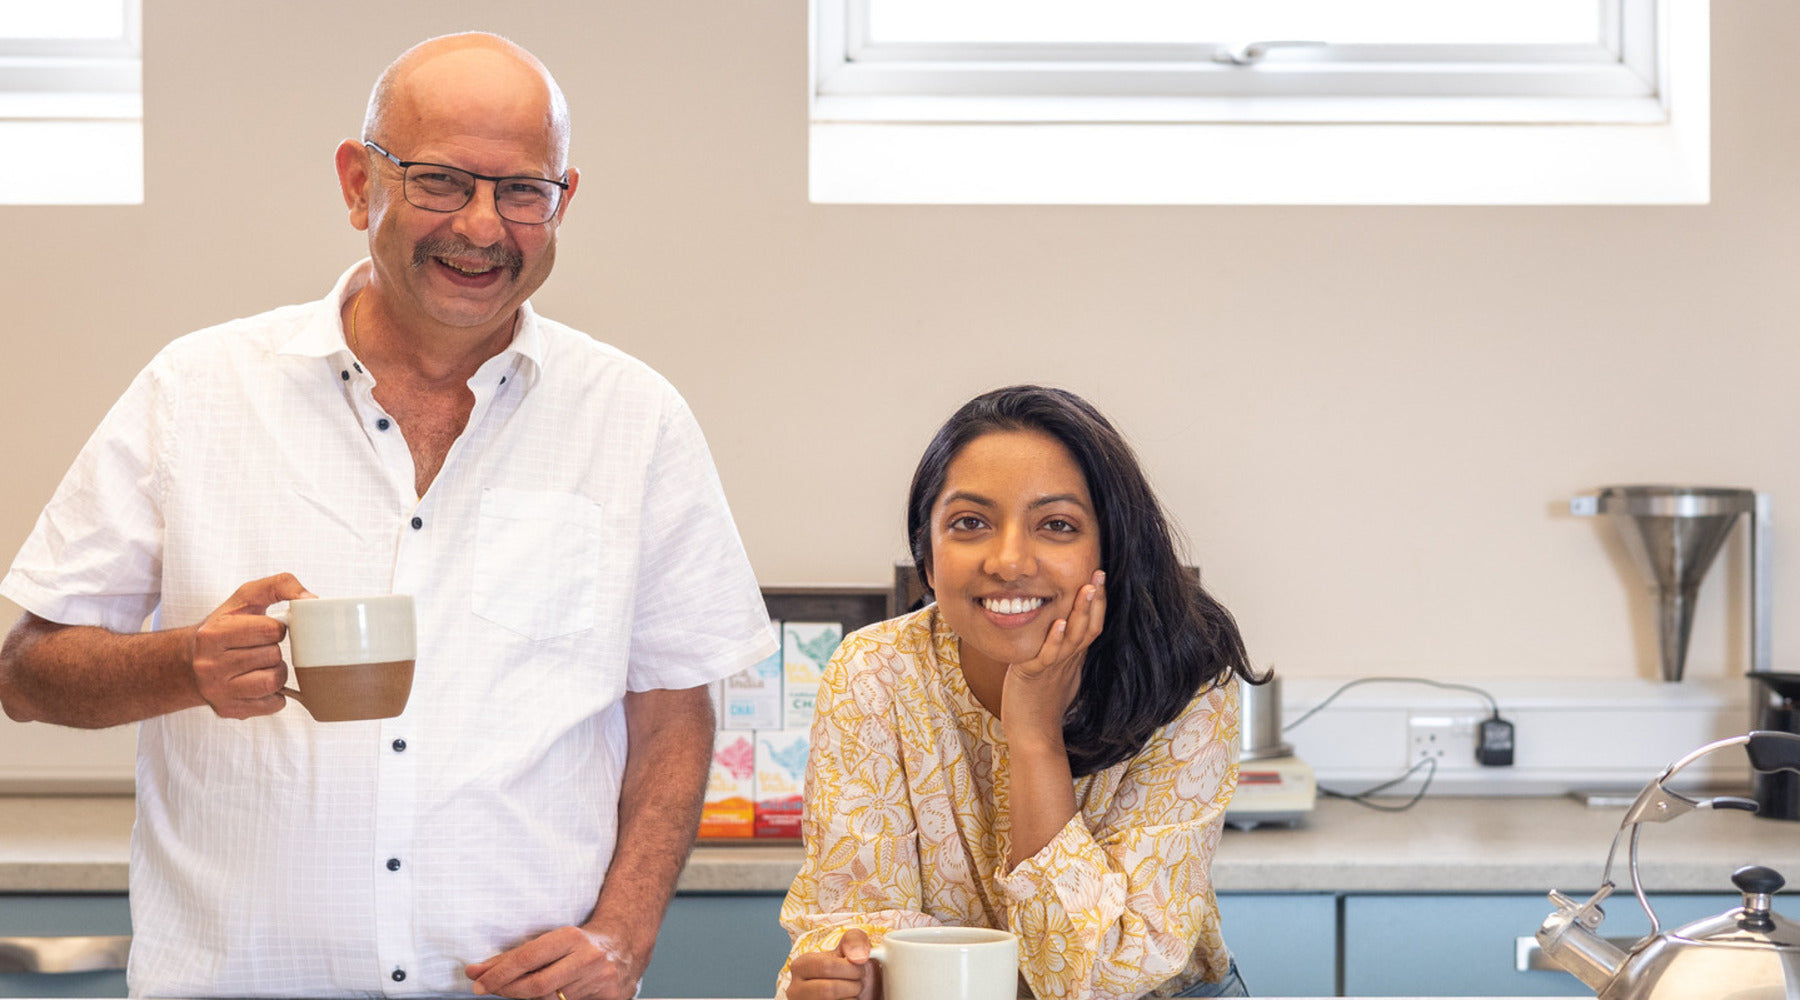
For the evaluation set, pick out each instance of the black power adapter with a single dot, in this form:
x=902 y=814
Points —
x=1494 y=747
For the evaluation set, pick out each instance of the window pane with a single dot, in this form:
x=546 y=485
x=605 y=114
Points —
x=63 y=19
x=1200 y=21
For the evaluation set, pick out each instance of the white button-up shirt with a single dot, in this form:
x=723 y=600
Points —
x=575 y=545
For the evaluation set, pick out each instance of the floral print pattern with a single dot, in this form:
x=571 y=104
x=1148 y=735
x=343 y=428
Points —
x=906 y=825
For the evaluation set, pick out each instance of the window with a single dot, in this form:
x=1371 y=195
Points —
x=1272 y=101
x=70 y=82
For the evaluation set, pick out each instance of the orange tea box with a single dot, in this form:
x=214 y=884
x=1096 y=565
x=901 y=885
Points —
x=730 y=809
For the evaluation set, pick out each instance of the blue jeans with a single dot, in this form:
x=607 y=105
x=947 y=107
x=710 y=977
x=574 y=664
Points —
x=1231 y=986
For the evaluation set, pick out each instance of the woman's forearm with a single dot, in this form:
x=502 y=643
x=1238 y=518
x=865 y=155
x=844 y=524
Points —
x=1042 y=799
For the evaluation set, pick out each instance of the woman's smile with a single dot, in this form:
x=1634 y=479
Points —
x=1012 y=607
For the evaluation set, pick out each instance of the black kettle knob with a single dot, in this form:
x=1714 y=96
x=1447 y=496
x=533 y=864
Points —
x=1758 y=879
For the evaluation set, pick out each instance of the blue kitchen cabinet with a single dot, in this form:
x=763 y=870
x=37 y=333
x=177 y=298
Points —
x=1285 y=944
x=727 y=944
x=718 y=945
x=73 y=915
x=1470 y=945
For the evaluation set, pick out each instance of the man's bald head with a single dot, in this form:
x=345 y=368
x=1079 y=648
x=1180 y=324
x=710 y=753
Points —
x=403 y=96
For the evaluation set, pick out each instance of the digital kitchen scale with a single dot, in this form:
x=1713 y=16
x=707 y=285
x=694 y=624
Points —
x=1272 y=791
x=1275 y=788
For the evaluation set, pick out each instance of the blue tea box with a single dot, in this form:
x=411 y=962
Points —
x=752 y=697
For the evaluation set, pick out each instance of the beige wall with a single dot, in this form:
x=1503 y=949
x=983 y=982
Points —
x=1365 y=419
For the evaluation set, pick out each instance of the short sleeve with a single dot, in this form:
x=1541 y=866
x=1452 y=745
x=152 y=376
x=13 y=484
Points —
x=95 y=554
x=699 y=613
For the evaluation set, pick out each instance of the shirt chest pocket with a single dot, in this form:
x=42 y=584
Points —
x=537 y=562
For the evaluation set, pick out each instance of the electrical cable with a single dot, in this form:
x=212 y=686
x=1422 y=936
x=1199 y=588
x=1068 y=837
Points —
x=1429 y=764
x=1362 y=798
x=1446 y=685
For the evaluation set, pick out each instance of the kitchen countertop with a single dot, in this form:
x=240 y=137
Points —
x=82 y=844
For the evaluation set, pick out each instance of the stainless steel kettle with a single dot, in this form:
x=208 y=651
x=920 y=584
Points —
x=1749 y=952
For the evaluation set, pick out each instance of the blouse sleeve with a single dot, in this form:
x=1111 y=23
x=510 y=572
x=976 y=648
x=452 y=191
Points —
x=862 y=861
x=1117 y=909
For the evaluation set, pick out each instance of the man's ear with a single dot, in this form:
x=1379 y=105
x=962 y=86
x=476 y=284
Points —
x=573 y=179
x=354 y=180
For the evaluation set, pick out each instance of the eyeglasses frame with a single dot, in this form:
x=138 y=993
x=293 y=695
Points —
x=405 y=164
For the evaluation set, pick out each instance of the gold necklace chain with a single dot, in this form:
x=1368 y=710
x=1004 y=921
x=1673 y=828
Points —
x=355 y=307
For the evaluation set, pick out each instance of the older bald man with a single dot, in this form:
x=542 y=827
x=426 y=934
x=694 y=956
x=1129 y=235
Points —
x=549 y=502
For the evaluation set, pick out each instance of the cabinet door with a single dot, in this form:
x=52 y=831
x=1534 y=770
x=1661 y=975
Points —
x=1451 y=946
x=718 y=945
x=1285 y=944
x=62 y=916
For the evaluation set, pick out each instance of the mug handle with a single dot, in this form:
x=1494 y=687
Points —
x=879 y=953
x=282 y=617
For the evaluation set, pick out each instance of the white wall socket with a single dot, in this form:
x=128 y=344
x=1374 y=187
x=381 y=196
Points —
x=1448 y=739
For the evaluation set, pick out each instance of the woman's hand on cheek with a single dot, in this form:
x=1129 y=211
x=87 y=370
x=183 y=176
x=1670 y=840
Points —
x=1039 y=691
x=844 y=974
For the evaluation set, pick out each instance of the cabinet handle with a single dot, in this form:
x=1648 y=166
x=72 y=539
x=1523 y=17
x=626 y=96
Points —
x=1528 y=955
x=58 y=955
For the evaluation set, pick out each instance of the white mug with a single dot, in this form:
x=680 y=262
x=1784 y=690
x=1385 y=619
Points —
x=352 y=656
x=948 y=963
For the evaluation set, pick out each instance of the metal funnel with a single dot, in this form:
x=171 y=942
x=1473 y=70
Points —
x=1673 y=533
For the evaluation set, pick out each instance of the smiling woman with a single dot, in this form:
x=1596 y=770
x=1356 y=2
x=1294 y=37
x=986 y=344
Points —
x=1049 y=748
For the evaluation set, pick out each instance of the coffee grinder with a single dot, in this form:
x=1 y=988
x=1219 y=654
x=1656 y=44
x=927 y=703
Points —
x=1673 y=533
x=1777 y=708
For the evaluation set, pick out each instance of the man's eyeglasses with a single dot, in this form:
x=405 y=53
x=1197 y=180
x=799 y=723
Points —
x=435 y=187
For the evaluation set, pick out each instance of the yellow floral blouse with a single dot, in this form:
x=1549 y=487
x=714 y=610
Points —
x=906 y=826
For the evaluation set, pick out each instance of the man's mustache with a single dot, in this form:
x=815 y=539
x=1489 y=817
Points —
x=462 y=250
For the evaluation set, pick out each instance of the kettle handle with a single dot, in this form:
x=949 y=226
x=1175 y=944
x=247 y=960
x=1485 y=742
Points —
x=1773 y=751
x=1768 y=750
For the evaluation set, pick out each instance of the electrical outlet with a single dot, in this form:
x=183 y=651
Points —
x=1447 y=739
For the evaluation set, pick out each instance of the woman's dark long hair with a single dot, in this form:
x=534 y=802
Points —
x=1165 y=638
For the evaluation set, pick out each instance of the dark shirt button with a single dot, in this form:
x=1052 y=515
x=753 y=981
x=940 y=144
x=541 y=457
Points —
x=393 y=864
x=346 y=374
x=356 y=365
x=383 y=424
x=503 y=380
x=417 y=523
x=399 y=746
x=399 y=976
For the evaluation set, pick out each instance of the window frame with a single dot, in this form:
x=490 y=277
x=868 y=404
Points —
x=82 y=98
x=128 y=44
x=1638 y=105
x=106 y=72
x=856 y=79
